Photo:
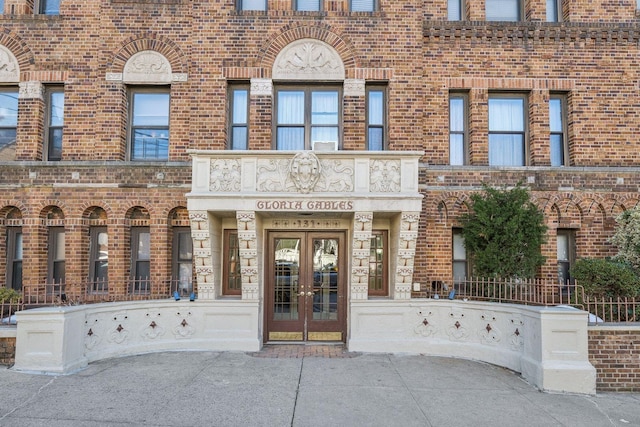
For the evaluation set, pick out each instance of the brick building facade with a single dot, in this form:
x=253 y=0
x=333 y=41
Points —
x=107 y=105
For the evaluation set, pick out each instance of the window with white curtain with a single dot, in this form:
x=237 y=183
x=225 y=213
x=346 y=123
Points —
x=460 y=265
x=503 y=10
x=557 y=130
x=252 y=4
x=305 y=116
x=457 y=129
x=239 y=117
x=554 y=10
x=364 y=5
x=376 y=114
x=507 y=131
x=308 y=5
x=455 y=10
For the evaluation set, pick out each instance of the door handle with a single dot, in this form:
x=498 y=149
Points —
x=309 y=294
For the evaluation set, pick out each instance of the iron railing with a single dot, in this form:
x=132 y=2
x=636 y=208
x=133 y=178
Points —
x=527 y=292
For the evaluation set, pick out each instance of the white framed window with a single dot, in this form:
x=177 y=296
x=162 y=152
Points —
x=149 y=133
x=503 y=10
x=458 y=129
x=305 y=116
x=507 y=130
x=558 y=130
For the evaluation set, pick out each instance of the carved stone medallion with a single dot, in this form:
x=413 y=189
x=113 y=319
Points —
x=9 y=68
x=305 y=171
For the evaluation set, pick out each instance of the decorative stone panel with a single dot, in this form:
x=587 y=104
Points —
x=360 y=252
x=147 y=67
x=9 y=67
x=31 y=90
x=407 y=239
x=308 y=59
x=247 y=248
x=202 y=252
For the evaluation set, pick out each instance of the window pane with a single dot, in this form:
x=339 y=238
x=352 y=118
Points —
x=150 y=144
x=8 y=108
x=50 y=7
x=563 y=247
x=456 y=149
x=324 y=134
x=506 y=150
x=55 y=144
x=456 y=115
x=17 y=251
x=57 y=109
x=552 y=10
x=324 y=108
x=557 y=150
x=144 y=245
x=185 y=245
x=555 y=115
x=308 y=5
x=1 y=7
x=454 y=10
x=290 y=138
x=375 y=139
x=151 y=109
x=7 y=144
x=291 y=107
x=459 y=270
x=506 y=114
x=459 y=251
x=59 y=239
x=240 y=98
x=239 y=138
x=362 y=5
x=376 y=108
x=253 y=4
x=143 y=271
x=502 y=10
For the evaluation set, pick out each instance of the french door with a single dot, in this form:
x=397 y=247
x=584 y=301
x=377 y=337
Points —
x=305 y=292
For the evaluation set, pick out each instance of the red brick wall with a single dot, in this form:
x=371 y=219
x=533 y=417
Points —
x=7 y=350
x=615 y=353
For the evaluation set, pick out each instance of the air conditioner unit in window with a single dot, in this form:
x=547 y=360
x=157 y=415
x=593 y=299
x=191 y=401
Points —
x=325 y=145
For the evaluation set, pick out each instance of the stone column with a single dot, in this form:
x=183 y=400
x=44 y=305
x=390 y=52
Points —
x=202 y=254
x=407 y=239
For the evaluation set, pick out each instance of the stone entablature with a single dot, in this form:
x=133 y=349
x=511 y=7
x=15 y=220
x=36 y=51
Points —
x=361 y=175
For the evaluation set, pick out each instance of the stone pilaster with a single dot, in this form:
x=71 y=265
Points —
x=200 y=234
x=360 y=252
x=407 y=239
x=248 y=248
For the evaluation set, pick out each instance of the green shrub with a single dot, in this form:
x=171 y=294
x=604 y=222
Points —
x=606 y=278
x=9 y=295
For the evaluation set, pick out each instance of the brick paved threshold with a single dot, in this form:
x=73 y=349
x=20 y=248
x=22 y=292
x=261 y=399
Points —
x=293 y=351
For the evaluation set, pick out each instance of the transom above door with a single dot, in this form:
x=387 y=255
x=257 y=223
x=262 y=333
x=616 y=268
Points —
x=305 y=286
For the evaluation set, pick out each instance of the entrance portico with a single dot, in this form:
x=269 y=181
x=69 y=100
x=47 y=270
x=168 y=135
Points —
x=304 y=222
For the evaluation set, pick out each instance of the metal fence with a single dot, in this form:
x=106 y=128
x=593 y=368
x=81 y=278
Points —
x=527 y=292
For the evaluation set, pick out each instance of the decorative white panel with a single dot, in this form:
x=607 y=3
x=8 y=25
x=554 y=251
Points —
x=308 y=59
x=9 y=68
x=147 y=67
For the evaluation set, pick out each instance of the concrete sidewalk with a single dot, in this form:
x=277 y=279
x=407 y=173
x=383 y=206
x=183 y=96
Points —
x=283 y=387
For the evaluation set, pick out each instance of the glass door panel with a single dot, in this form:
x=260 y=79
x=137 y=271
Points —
x=286 y=279
x=325 y=279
